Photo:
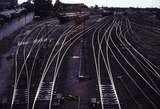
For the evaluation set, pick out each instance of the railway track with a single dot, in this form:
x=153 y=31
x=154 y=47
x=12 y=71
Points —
x=56 y=55
x=128 y=57
x=120 y=68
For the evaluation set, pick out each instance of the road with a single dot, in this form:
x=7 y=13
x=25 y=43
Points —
x=105 y=63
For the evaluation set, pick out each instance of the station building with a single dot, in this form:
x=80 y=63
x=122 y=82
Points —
x=69 y=7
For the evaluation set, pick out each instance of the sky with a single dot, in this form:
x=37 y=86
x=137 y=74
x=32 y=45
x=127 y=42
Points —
x=114 y=3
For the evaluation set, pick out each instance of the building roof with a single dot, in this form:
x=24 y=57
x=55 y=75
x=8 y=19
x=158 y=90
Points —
x=70 y=4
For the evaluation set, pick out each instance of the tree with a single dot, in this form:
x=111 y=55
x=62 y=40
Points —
x=96 y=7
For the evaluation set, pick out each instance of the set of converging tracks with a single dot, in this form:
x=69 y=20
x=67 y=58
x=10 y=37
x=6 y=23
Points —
x=110 y=39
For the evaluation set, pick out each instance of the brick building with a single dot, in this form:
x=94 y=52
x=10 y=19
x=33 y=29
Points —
x=66 y=7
